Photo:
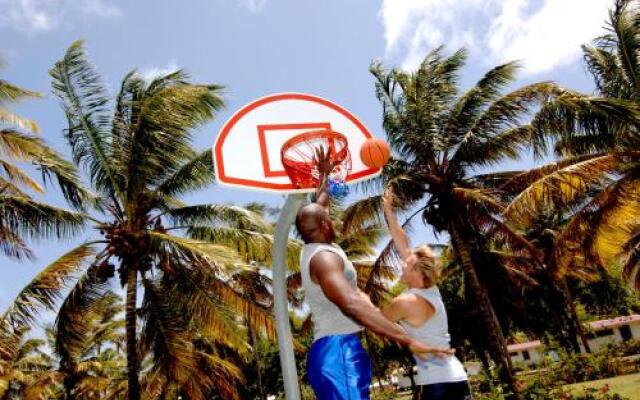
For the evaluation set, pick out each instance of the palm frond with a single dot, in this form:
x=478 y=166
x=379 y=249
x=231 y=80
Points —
x=25 y=217
x=76 y=82
x=14 y=246
x=362 y=212
x=604 y=67
x=167 y=117
x=618 y=223
x=16 y=175
x=173 y=352
x=560 y=187
x=11 y=119
x=76 y=316
x=483 y=199
x=504 y=114
x=21 y=146
x=53 y=166
x=623 y=20
x=10 y=93
x=571 y=114
x=251 y=245
x=519 y=181
x=575 y=243
x=196 y=250
x=220 y=292
x=43 y=291
x=465 y=112
x=508 y=144
x=230 y=215
x=360 y=243
x=195 y=174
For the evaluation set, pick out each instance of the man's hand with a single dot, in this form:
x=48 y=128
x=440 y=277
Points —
x=325 y=166
x=423 y=351
x=323 y=162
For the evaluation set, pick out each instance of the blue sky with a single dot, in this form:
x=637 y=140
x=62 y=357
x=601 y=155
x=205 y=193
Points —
x=257 y=47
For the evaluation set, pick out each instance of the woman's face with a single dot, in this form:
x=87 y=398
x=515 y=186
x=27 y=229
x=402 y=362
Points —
x=411 y=276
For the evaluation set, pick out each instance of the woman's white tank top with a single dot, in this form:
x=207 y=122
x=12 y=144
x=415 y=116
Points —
x=435 y=332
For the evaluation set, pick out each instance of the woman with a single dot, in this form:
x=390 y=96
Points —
x=421 y=312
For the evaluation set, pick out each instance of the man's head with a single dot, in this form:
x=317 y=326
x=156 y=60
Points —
x=314 y=224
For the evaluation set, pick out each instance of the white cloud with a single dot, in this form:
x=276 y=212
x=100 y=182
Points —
x=37 y=16
x=153 y=72
x=543 y=34
x=254 y=6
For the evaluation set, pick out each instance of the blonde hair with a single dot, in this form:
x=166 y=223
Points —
x=428 y=264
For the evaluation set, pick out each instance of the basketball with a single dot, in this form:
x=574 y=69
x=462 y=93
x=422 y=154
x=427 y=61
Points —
x=374 y=153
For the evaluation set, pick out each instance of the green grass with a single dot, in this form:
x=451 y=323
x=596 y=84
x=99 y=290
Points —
x=626 y=385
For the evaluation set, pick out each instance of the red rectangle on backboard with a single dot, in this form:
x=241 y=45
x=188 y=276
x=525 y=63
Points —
x=269 y=129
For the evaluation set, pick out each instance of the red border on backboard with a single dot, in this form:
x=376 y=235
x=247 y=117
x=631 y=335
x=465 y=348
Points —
x=262 y=131
x=226 y=128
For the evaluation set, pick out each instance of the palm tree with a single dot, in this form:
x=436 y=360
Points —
x=21 y=216
x=597 y=177
x=442 y=138
x=26 y=371
x=89 y=372
x=138 y=155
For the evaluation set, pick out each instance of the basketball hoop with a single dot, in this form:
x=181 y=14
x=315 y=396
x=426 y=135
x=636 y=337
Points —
x=298 y=157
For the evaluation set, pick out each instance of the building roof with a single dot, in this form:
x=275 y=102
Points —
x=524 y=346
x=610 y=323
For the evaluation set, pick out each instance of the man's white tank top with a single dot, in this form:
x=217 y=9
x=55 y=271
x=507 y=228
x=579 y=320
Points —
x=435 y=332
x=327 y=318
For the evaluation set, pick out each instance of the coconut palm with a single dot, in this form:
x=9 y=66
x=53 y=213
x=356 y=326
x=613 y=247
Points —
x=597 y=177
x=21 y=216
x=27 y=371
x=443 y=137
x=97 y=362
x=139 y=159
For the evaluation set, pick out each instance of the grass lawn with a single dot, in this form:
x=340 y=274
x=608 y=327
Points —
x=626 y=385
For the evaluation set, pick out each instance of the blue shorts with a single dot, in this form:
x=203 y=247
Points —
x=339 y=369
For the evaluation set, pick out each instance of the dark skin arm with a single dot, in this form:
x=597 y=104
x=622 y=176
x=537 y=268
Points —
x=325 y=166
x=327 y=270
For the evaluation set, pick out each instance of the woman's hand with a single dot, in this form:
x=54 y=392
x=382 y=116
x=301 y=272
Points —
x=388 y=198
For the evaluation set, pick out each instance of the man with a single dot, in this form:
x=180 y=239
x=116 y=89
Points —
x=338 y=367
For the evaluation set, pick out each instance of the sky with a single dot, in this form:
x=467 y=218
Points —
x=259 y=47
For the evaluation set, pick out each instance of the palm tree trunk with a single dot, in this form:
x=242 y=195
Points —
x=575 y=321
x=497 y=343
x=256 y=359
x=564 y=324
x=132 y=350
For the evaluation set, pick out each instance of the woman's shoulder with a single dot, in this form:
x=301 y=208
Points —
x=410 y=298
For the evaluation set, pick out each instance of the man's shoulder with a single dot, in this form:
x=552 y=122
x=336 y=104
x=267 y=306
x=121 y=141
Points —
x=325 y=261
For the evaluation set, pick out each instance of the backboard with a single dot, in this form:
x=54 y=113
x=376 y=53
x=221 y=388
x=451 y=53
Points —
x=246 y=152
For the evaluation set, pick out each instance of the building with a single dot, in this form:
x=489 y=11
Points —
x=616 y=330
x=530 y=353
x=599 y=334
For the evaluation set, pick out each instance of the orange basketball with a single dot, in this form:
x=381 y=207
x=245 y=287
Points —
x=374 y=153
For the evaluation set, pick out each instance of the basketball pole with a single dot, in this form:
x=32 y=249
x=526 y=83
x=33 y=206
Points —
x=280 y=299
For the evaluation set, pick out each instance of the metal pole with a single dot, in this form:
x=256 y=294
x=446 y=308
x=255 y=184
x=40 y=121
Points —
x=283 y=328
